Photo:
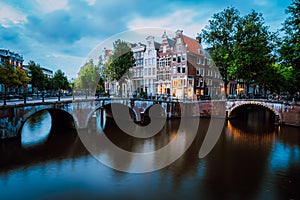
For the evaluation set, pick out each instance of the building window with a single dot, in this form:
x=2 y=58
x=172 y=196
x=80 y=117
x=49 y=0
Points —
x=168 y=62
x=208 y=72
x=178 y=59
x=160 y=62
x=202 y=71
x=198 y=71
x=198 y=61
x=183 y=69
x=164 y=49
x=174 y=58
x=184 y=57
x=174 y=70
x=200 y=51
x=178 y=69
x=179 y=48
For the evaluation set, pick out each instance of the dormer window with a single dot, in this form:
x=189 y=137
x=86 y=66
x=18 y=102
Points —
x=179 y=48
x=199 y=51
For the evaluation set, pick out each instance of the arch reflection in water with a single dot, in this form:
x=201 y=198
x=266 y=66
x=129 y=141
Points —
x=100 y=118
x=36 y=129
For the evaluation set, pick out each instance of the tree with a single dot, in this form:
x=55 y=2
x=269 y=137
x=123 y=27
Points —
x=119 y=62
x=253 y=50
x=290 y=46
x=8 y=77
x=22 y=77
x=12 y=77
x=88 y=77
x=60 y=81
x=38 y=79
x=220 y=35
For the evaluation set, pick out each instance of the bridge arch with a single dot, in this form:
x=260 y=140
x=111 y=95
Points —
x=108 y=112
x=146 y=114
x=237 y=105
x=60 y=119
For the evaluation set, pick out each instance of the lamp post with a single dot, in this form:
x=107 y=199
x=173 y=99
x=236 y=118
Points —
x=25 y=93
x=5 y=95
x=59 y=94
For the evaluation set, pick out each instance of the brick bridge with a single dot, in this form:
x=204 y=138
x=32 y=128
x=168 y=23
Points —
x=77 y=113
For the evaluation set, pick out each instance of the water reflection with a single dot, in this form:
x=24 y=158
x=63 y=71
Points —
x=250 y=161
x=36 y=129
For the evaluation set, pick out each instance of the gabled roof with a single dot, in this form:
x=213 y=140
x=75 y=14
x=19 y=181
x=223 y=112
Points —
x=107 y=52
x=192 y=45
x=156 y=45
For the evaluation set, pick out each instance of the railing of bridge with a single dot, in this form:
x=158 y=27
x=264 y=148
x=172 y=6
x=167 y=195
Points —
x=41 y=99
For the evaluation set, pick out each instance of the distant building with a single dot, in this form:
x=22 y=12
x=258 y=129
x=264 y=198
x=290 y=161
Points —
x=104 y=57
x=137 y=71
x=164 y=66
x=193 y=75
x=47 y=72
x=150 y=66
x=177 y=67
x=14 y=58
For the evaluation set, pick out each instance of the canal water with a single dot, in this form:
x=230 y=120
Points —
x=253 y=159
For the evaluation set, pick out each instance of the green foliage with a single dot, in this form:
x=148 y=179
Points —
x=241 y=47
x=253 y=48
x=89 y=77
x=220 y=35
x=7 y=75
x=60 y=81
x=120 y=61
x=22 y=77
x=290 y=46
x=38 y=79
x=12 y=77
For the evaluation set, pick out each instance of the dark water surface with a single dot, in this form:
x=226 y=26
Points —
x=253 y=159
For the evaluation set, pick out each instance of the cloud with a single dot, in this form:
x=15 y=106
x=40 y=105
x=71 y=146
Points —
x=186 y=20
x=50 y=6
x=10 y=15
x=60 y=33
x=91 y=2
x=57 y=26
x=261 y=2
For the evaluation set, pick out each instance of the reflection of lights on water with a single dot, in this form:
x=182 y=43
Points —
x=239 y=135
x=283 y=154
x=36 y=129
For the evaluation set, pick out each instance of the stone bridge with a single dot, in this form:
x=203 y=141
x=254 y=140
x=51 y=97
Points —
x=77 y=113
x=285 y=113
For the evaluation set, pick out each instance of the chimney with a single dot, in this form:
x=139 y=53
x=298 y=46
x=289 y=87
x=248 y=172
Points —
x=198 y=38
x=178 y=32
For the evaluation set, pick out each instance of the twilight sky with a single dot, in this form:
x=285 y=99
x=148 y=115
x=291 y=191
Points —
x=59 y=34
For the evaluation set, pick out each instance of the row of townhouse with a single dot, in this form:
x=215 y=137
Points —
x=177 y=67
